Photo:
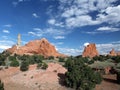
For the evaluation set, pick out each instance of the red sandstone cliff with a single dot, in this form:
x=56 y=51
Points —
x=90 y=51
x=42 y=47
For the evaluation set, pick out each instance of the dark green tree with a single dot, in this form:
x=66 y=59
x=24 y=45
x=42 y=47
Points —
x=61 y=59
x=80 y=76
x=24 y=66
x=14 y=63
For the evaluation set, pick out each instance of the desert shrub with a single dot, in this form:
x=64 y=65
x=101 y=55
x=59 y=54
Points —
x=91 y=62
x=12 y=58
x=118 y=77
x=14 y=63
x=39 y=65
x=51 y=57
x=2 y=59
x=1 y=85
x=38 y=58
x=79 y=76
x=24 y=66
x=61 y=59
x=44 y=66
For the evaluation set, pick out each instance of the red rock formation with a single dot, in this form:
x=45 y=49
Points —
x=112 y=53
x=42 y=47
x=90 y=51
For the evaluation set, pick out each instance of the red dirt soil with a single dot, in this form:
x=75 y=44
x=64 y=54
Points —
x=38 y=79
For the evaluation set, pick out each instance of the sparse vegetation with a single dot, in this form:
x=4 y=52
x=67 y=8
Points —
x=1 y=85
x=24 y=66
x=44 y=66
x=61 y=59
x=80 y=76
x=51 y=57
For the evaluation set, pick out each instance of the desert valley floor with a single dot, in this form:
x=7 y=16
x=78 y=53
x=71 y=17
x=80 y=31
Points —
x=50 y=79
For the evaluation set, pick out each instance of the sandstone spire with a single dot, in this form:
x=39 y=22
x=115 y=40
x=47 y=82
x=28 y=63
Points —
x=90 y=51
x=18 y=41
x=112 y=53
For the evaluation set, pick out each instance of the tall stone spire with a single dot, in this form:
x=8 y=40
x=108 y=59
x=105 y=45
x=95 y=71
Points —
x=18 y=41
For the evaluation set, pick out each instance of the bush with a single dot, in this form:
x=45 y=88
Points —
x=51 y=57
x=44 y=66
x=61 y=59
x=79 y=76
x=12 y=58
x=118 y=77
x=24 y=66
x=39 y=65
x=1 y=85
x=14 y=63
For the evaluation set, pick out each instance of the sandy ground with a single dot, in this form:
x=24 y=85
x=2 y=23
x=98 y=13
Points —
x=108 y=83
x=34 y=79
x=50 y=79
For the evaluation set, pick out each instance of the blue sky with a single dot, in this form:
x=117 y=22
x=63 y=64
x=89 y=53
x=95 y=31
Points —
x=67 y=24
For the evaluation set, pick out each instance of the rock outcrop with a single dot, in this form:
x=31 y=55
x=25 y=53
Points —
x=42 y=47
x=90 y=51
x=114 y=53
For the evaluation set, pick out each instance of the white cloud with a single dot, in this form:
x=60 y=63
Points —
x=112 y=15
x=35 y=34
x=86 y=44
x=80 y=21
x=105 y=48
x=69 y=51
x=35 y=15
x=6 y=31
x=20 y=0
x=59 y=37
x=7 y=25
x=51 y=21
x=5 y=44
x=108 y=29
x=76 y=13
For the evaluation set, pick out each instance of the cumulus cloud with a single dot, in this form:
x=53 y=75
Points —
x=51 y=21
x=77 y=13
x=86 y=44
x=6 y=31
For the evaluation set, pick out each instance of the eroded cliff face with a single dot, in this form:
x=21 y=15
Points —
x=90 y=51
x=42 y=47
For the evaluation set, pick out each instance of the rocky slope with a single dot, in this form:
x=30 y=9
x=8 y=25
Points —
x=42 y=47
x=90 y=51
